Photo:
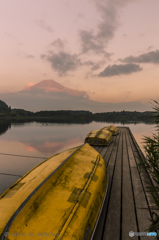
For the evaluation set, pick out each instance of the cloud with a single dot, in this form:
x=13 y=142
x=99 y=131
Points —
x=59 y=44
x=63 y=62
x=97 y=65
x=110 y=20
x=29 y=56
x=24 y=55
x=44 y=25
x=122 y=69
x=150 y=47
x=28 y=85
x=62 y=101
x=80 y=16
x=88 y=63
x=90 y=42
x=94 y=65
x=150 y=57
x=8 y=34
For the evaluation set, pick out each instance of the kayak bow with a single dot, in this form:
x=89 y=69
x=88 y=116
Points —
x=60 y=198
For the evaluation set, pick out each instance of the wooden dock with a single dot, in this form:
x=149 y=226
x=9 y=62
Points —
x=126 y=207
x=123 y=208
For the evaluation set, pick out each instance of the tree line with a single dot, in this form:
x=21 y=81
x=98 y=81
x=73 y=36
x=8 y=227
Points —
x=81 y=115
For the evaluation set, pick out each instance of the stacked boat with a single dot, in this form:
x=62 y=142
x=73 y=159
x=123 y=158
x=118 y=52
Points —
x=61 y=198
x=102 y=136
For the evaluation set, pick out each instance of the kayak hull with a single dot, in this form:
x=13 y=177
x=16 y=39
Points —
x=99 y=137
x=60 y=198
x=102 y=136
x=114 y=130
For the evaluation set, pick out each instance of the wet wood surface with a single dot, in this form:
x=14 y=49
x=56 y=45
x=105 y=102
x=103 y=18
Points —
x=127 y=203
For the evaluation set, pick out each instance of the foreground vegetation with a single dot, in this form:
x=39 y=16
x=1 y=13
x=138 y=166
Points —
x=151 y=147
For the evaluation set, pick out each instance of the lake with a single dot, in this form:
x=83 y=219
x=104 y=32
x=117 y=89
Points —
x=24 y=145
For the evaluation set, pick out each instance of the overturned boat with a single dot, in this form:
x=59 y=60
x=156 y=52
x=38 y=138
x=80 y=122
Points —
x=62 y=198
x=113 y=129
x=99 y=137
x=102 y=136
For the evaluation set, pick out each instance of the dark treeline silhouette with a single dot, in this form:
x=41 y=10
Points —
x=125 y=116
x=70 y=116
x=4 y=126
x=4 y=107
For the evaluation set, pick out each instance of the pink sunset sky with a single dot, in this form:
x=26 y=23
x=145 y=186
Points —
x=108 y=48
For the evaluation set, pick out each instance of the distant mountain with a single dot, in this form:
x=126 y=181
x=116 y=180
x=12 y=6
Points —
x=50 y=95
x=53 y=86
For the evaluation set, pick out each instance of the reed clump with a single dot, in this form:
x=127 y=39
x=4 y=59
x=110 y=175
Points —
x=151 y=149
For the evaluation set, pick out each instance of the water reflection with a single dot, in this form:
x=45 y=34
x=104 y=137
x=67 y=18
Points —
x=53 y=147
x=39 y=140
x=47 y=138
x=4 y=126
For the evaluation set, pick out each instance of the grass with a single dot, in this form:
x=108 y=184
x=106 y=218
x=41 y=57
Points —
x=151 y=148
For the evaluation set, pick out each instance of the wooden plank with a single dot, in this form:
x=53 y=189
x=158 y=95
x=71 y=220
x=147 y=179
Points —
x=105 y=150
x=100 y=149
x=112 y=224
x=138 y=154
x=128 y=208
x=109 y=151
x=143 y=216
x=95 y=147
x=101 y=224
x=145 y=178
x=144 y=175
x=135 y=146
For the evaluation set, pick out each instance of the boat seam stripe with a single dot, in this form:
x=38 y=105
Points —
x=79 y=199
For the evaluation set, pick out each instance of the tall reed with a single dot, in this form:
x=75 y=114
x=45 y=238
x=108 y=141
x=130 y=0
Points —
x=151 y=149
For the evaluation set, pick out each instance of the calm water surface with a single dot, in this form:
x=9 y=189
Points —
x=33 y=142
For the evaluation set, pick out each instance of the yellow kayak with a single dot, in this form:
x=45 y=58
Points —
x=114 y=130
x=61 y=198
x=99 y=137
